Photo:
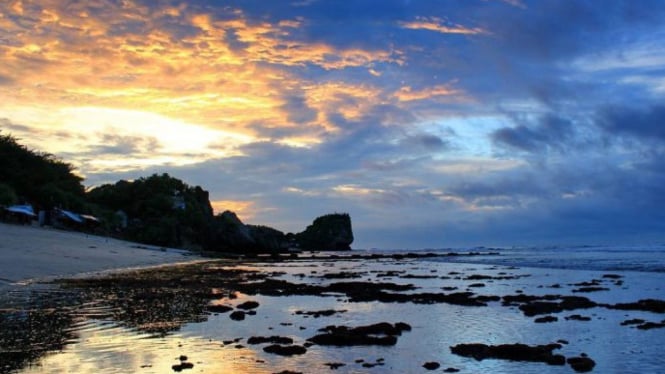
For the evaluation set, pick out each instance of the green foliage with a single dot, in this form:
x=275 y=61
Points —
x=268 y=239
x=39 y=178
x=162 y=210
x=7 y=195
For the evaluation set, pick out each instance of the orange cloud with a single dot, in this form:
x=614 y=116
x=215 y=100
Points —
x=244 y=209
x=127 y=56
x=438 y=25
x=349 y=100
x=406 y=93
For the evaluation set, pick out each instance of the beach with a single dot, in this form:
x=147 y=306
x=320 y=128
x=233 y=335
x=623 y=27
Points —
x=30 y=253
x=348 y=312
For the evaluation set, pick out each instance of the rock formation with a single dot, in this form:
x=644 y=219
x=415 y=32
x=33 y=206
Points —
x=331 y=232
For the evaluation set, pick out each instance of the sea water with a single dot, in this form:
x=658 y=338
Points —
x=98 y=341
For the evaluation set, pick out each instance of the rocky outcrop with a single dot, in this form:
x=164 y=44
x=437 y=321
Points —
x=382 y=333
x=513 y=352
x=268 y=239
x=230 y=234
x=331 y=232
x=581 y=364
x=328 y=232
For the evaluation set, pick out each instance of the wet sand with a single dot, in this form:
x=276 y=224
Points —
x=30 y=253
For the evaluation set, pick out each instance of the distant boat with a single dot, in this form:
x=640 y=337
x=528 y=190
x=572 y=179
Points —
x=22 y=209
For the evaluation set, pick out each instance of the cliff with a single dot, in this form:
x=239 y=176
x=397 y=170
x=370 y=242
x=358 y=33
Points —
x=327 y=233
x=331 y=232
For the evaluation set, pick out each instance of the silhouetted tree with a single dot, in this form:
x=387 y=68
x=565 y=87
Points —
x=162 y=210
x=39 y=178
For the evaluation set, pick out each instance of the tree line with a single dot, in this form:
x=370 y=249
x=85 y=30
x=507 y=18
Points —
x=158 y=210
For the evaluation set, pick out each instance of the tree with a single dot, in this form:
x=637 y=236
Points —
x=162 y=210
x=39 y=178
x=7 y=195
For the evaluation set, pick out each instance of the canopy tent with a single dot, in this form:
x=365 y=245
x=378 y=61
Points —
x=22 y=209
x=70 y=215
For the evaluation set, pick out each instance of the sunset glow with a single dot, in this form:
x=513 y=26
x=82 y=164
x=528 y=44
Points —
x=458 y=114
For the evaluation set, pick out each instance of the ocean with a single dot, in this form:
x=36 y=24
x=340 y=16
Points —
x=116 y=329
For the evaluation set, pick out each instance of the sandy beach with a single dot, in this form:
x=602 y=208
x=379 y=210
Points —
x=33 y=253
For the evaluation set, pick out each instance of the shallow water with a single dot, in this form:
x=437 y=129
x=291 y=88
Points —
x=102 y=336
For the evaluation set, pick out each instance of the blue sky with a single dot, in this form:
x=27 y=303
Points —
x=433 y=123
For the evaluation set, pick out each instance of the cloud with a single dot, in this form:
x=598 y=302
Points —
x=406 y=93
x=646 y=123
x=125 y=145
x=13 y=127
x=176 y=62
x=6 y=80
x=438 y=25
x=298 y=111
x=474 y=121
x=549 y=133
x=427 y=141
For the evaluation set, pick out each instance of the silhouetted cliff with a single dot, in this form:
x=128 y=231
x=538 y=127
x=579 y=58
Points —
x=331 y=232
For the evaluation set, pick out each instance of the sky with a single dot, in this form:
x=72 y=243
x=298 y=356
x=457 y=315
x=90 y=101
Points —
x=433 y=123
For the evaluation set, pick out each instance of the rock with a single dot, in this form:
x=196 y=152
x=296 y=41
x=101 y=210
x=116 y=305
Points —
x=219 y=308
x=382 y=328
x=546 y=319
x=647 y=305
x=581 y=364
x=344 y=339
x=401 y=326
x=612 y=276
x=514 y=352
x=577 y=317
x=651 y=325
x=635 y=321
x=268 y=239
x=238 y=315
x=231 y=234
x=330 y=232
x=377 y=334
x=477 y=285
x=591 y=289
x=535 y=305
x=451 y=370
x=247 y=305
x=431 y=365
x=182 y=366
x=320 y=313
x=285 y=350
x=270 y=339
x=334 y=365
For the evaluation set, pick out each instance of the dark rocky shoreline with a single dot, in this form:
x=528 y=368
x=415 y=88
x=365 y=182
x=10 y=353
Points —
x=160 y=301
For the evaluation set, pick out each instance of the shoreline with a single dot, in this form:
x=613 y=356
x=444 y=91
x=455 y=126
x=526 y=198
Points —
x=30 y=254
x=396 y=313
